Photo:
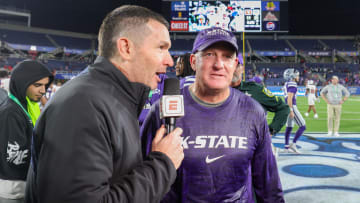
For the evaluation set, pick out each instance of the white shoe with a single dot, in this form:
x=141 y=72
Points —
x=336 y=134
x=293 y=148
x=306 y=114
x=284 y=150
x=329 y=133
x=316 y=116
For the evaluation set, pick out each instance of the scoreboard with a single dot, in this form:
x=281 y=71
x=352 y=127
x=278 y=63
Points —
x=236 y=16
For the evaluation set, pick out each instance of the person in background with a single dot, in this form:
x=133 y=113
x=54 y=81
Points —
x=183 y=67
x=3 y=95
x=18 y=115
x=56 y=87
x=334 y=95
x=226 y=138
x=49 y=93
x=262 y=95
x=86 y=146
x=4 y=79
x=290 y=88
x=311 y=93
x=4 y=84
x=184 y=71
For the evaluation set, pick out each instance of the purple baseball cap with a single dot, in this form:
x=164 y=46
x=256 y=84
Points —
x=208 y=37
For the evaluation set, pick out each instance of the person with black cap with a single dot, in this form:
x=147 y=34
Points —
x=226 y=138
x=18 y=115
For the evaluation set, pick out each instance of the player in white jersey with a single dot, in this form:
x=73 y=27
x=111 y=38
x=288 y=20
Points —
x=311 y=93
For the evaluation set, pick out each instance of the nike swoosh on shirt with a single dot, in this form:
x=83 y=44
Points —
x=208 y=160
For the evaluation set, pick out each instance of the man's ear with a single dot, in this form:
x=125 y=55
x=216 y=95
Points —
x=193 y=61
x=125 y=48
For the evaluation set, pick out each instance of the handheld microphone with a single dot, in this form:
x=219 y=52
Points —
x=171 y=103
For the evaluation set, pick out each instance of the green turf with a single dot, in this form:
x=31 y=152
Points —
x=350 y=116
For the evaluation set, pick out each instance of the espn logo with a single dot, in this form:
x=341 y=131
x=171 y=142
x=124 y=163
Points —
x=172 y=106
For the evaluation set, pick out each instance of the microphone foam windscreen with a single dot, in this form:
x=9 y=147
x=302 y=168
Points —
x=171 y=86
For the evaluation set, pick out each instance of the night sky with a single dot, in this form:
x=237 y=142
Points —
x=305 y=17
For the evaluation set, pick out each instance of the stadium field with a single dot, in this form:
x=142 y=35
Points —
x=350 y=117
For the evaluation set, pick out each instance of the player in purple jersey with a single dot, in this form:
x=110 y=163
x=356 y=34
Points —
x=290 y=89
x=226 y=140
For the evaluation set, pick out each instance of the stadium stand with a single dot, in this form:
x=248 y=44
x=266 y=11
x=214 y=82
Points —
x=317 y=58
x=306 y=44
x=26 y=38
x=269 y=45
x=72 y=42
x=341 y=45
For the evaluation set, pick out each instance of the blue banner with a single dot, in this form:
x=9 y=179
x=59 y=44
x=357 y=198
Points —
x=354 y=90
x=348 y=53
x=270 y=6
x=43 y=48
x=278 y=91
x=276 y=53
x=180 y=6
x=179 y=52
x=31 y=47
x=319 y=53
x=66 y=75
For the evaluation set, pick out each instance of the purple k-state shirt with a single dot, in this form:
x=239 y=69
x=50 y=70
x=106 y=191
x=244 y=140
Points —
x=290 y=87
x=227 y=150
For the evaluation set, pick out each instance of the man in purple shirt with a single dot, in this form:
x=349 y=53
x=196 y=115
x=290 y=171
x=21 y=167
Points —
x=226 y=140
x=292 y=77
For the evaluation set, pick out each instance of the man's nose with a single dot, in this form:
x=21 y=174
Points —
x=43 y=89
x=169 y=60
x=219 y=63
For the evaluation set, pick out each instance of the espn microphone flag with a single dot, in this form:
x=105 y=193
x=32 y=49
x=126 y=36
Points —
x=171 y=103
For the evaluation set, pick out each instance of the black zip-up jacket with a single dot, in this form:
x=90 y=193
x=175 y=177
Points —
x=15 y=126
x=86 y=145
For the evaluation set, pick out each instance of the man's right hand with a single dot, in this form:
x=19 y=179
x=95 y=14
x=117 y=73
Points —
x=169 y=145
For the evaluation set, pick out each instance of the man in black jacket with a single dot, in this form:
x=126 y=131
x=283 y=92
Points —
x=18 y=114
x=86 y=146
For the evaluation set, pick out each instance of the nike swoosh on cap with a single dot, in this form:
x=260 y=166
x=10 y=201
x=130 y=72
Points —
x=208 y=160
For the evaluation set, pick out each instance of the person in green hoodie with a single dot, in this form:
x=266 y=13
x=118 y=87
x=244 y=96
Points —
x=18 y=114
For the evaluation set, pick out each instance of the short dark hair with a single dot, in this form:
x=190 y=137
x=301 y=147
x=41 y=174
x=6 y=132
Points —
x=186 y=66
x=122 y=20
x=4 y=73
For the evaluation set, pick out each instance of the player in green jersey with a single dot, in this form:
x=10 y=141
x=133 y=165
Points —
x=267 y=100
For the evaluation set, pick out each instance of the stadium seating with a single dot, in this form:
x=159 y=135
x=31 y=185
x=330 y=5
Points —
x=306 y=44
x=26 y=38
x=341 y=45
x=269 y=45
x=72 y=42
